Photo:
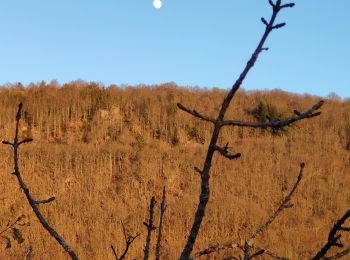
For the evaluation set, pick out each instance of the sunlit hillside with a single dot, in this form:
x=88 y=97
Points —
x=103 y=152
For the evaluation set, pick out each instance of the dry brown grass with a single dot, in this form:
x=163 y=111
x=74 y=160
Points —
x=104 y=153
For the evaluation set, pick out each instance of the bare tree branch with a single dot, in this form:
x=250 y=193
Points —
x=27 y=140
x=128 y=241
x=257 y=253
x=7 y=142
x=44 y=201
x=270 y=253
x=288 y=5
x=150 y=228
x=263 y=20
x=163 y=207
x=218 y=123
x=284 y=204
x=195 y=113
x=280 y=123
x=33 y=203
x=333 y=237
x=214 y=249
x=224 y=152
x=115 y=252
x=339 y=255
x=277 y=26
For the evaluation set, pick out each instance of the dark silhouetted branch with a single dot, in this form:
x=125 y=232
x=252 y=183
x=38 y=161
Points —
x=34 y=203
x=214 y=249
x=270 y=254
x=284 y=204
x=290 y=5
x=263 y=20
x=150 y=228
x=218 y=123
x=128 y=241
x=280 y=123
x=163 y=207
x=44 y=201
x=277 y=26
x=339 y=255
x=257 y=253
x=195 y=113
x=224 y=152
x=333 y=238
x=198 y=170
x=27 y=140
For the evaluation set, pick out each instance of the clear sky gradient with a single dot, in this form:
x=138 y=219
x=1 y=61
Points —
x=203 y=43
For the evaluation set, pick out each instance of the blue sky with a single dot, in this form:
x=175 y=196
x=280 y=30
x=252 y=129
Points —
x=203 y=43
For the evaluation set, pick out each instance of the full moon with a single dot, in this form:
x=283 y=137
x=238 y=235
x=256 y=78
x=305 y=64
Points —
x=157 y=4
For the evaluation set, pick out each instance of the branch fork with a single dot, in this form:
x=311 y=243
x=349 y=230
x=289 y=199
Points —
x=129 y=239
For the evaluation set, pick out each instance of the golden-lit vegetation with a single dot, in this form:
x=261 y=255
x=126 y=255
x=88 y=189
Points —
x=103 y=152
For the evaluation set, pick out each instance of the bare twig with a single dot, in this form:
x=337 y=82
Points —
x=270 y=253
x=214 y=249
x=128 y=241
x=163 y=207
x=333 y=238
x=338 y=255
x=195 y=113
x=45 y=201
x=218 y=123
x=115 y=252
x=34 y=203
x=257 y=253
x=224 y=152
x=279 y=123
x=150 y=228
x=284 y=204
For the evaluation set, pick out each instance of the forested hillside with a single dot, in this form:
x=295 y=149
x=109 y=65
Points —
x=103 y=152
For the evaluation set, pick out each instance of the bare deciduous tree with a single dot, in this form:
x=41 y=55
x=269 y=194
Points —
x=220 y=122
x=32 y=202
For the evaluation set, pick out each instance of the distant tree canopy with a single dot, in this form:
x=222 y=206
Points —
x=91 y=113
x=265 y=112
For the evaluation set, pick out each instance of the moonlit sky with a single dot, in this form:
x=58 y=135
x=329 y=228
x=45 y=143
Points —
x=203 y=43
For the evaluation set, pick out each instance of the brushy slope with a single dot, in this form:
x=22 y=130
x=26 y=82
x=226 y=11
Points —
x=103 y=152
